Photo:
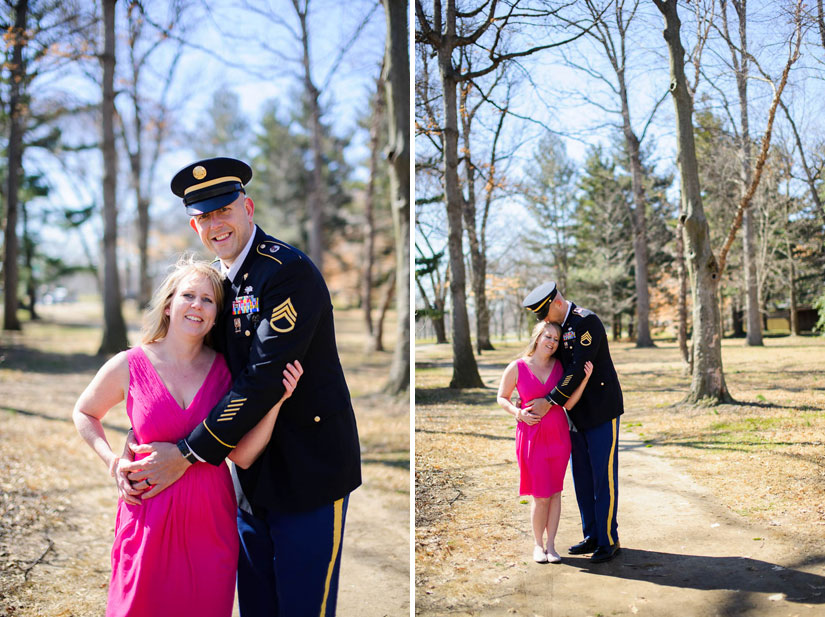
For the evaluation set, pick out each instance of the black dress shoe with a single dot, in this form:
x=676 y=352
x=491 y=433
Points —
x=605 y=553
x=588 y=545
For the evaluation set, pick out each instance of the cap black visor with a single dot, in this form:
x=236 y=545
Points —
x=213 y=203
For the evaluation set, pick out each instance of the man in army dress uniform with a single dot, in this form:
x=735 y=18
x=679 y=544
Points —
x=293 y=499
x=595 y=419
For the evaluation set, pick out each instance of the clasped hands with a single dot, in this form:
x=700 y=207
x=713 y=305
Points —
x=534 y=412
x=134 y=482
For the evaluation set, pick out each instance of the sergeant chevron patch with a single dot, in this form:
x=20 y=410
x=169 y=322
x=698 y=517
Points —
x=283 y=317
x=586 y=339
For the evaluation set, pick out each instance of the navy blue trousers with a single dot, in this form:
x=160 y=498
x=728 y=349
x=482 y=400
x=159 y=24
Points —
x=595 y=457
x=289 y=562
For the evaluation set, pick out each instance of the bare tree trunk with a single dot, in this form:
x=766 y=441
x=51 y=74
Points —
x=739 y=57
x=28 y=257
x=315 y=200
x=737 y=317
x=477 y=269
x=793 y=317
x=708 y=379
x=435 y=314
x=144 y=283
x=480 y=285
x=397 y=96
x=478 y=259
x=681 y=335
x=643 y=338
x=373 y=340
x=465 y=369
x=389 y=294
x=17 y=112
x=114 y=327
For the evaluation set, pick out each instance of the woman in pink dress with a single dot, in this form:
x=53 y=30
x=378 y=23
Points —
x=174 y=553
x=542 y=443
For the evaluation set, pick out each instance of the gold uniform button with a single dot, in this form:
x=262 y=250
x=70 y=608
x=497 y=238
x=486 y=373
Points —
x=247 y=333
x=317 y=418
x=602 y=383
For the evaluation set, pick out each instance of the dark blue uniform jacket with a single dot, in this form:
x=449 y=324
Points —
x=583 y=338
x=278 y=310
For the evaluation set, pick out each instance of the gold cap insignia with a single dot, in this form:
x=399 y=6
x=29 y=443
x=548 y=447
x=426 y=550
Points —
x=586 y=339
x=284 y=312
x=199 y=172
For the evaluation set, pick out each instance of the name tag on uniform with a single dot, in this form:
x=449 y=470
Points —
x=244 y=304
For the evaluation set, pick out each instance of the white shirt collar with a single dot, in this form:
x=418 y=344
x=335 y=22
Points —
x=231 y=272
x=567 y=314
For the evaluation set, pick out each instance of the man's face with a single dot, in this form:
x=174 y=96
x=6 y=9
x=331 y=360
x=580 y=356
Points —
x=226 y=231
x=555 y=311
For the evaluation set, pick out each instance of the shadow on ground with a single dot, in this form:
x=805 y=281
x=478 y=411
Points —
x=35 y=361
x=482 y=397
x=736 y=574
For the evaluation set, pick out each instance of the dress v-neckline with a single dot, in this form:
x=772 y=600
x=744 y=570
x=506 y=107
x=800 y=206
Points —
x=537 y=378
x=166 y=388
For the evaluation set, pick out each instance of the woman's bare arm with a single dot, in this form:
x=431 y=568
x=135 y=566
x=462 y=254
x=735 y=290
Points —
x=577 y=393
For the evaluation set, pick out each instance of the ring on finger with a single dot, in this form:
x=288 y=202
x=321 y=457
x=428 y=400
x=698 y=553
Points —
x=148 y=484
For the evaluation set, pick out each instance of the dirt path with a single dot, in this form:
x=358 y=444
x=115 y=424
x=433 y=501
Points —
x=683 y=555
x=375 y=567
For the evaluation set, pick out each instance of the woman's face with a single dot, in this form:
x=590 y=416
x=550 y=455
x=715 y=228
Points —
x=193 y=310
x=548 y=340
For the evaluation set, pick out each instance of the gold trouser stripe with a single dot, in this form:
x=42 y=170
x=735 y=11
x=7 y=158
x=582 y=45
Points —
x=338 y=515
x=208 y=183
x=610 y=482
x=216 y=437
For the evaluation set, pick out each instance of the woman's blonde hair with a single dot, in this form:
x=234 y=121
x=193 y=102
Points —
x=155 y=320
x=534 y=337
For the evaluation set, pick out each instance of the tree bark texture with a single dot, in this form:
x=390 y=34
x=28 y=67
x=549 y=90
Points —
x=114 y=327
x=389 y=294
x=708 y=378
x=17 y=112
x=638 y=215
x=315 y=199
x=681 y=335
x=465 y=369
x=28 y=257
x=478 y=258
x=436 y=312
x=397 y=96
x=373 y=342
x=741 y=62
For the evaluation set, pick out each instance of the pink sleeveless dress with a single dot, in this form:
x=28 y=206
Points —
x=542 y=449
x=177 y=553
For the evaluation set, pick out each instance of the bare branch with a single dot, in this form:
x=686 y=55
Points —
x=766 y=142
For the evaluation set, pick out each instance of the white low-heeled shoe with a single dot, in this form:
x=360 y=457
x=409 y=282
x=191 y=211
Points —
x=553 y=557
x=539 y=556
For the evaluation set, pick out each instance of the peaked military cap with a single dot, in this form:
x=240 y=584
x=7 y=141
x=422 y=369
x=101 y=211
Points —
x=540 y=298
x=210 y=184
